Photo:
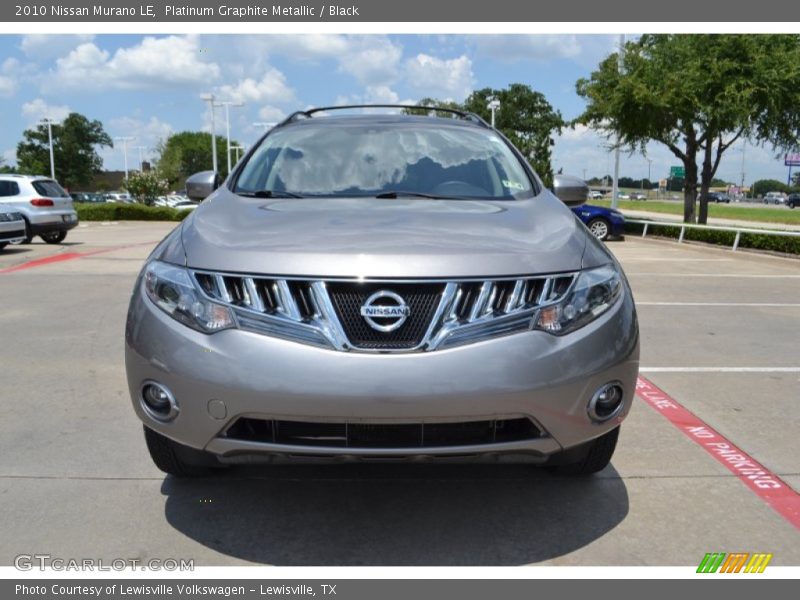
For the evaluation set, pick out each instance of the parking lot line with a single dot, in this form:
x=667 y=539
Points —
x=704 y=275
x=734 y=304
x=761 y=481
x=719 y=369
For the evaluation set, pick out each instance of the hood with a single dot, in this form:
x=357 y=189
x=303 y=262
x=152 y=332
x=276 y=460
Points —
x=386 y=238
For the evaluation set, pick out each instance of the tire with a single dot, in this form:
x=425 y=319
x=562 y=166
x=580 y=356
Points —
x=596 y=458
x=54 y=237
x=600 y=228
x=176 y=459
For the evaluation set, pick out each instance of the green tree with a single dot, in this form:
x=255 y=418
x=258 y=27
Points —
x=525 y=117
x=146 y=186
x=697 y=95
x=75 y=143
x=762 y=186
x=185 y=153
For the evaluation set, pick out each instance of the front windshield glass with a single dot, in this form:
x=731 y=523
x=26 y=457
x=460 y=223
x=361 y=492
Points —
x=370 y=159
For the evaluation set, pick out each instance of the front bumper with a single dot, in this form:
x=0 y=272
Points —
x=216 y=379
x=12 y=231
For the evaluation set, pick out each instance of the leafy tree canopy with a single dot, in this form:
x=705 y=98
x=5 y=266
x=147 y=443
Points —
x=697 y=95
x=75 y=143
x=183 y=154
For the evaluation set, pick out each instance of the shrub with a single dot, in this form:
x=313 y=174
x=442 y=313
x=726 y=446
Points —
x=773 y=243
x=146 y=186
x=114 y=211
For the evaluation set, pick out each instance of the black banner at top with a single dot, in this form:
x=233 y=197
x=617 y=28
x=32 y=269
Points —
x=400 y=11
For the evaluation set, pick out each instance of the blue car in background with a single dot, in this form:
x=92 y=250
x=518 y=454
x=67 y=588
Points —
x=602 y=222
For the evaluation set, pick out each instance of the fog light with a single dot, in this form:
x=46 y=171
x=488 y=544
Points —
x=158 y=402
x=606 y=402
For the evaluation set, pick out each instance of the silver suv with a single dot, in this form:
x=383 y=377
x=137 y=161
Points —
x=45 y=206
x=12 y=226
x=381 y=286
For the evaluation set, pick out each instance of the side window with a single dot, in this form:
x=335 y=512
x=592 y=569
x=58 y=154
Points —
x=9 y=188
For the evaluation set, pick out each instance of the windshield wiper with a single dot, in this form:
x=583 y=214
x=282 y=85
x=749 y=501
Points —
x=270 y=194
x=395 y=194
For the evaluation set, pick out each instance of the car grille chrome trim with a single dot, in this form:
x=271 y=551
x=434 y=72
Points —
x=461 y=312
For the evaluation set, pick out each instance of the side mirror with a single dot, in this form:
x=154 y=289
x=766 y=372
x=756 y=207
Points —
x=201 y=185
x=572 y=191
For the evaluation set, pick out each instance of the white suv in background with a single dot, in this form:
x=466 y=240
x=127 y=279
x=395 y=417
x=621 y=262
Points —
x=45 y=206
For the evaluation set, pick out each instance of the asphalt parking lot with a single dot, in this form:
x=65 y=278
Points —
x=720 y=335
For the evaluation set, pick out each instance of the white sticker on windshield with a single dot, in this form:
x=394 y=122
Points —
x=513 y=185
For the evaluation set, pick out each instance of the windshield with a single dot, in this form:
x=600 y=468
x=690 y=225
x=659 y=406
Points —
x=373 y=159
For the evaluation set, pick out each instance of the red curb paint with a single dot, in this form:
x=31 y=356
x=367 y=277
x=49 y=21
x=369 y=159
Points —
x=47 y=260
x=761 y=481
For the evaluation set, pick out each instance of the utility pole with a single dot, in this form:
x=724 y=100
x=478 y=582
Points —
x=744 y=148
x=210 y=99
x=49 y=122
x=649 y=181
x=227 y=106
x=125 y=140
x=615 y=186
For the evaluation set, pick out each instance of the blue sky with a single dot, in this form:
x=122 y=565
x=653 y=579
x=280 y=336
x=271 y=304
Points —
x=148 y=86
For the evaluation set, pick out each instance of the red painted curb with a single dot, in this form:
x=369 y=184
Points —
x=761 y=481
x=55 y=258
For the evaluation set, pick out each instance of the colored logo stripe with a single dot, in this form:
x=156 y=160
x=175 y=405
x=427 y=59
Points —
x=734 y=562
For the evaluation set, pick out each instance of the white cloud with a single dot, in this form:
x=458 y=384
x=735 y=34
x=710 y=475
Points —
x=271 y=114
x=272 y=87
x=147 y=133
x=37 y=109
x=440 y=78
x=7 y=86
x=171 y=61
x=512 y=48
x=9 y=156
x=372 y=60
x=9 y=72
x=44 y=46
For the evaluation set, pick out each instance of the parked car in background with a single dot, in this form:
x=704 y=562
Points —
x=774 y=198
x=12 y=226
x=718 y=197
x=185 y=205
x=638 y=196
x=595 y=194
x=45 y=206
x=623 y=196
x=793 y=200
x=419 y=306
x=86 y=197
x=123 y=197
x=602 y=222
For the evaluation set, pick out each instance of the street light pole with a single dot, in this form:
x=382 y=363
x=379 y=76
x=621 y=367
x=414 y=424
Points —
x=649 y=181
x=227 y=106
x=49 y=121
x=210 y=99
x=125 y=140
x=141 y=156
x=493 y=105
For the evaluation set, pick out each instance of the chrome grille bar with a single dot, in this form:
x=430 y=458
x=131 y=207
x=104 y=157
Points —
x=302 y=310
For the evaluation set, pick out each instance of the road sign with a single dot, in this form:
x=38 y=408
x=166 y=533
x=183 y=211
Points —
x=677 y=173
x=792 y=160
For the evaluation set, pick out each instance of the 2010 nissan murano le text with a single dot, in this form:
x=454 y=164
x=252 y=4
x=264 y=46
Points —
x=381 y=285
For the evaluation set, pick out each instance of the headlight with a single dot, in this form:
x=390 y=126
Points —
x=594 y=292
x=171 y=289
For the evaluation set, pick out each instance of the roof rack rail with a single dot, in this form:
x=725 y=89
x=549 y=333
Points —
x=466 y=115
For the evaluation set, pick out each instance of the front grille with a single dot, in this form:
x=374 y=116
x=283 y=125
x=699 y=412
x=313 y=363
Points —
x=422 y=300
x=437 y=314
x=382 y=435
